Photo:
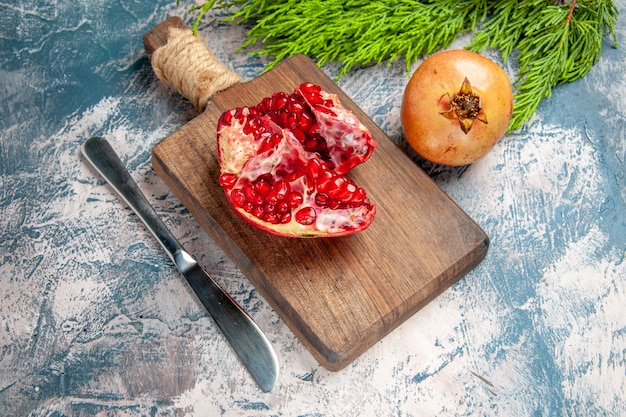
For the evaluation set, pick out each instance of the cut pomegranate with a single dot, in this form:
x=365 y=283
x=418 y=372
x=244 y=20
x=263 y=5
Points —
x=283 y=163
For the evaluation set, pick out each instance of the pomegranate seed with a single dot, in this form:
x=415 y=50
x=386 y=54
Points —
x=247 y=206
x=314 y=130
x=294 y=199
x=283 y=207
x=271 y=198
x=281 y=188
x=271 y=218
x=358 y=197
x=315 y=168
x=334 y=204
x=262 y=187
x=248 y=192
x=237 y=197
x=266 y=105
x=279 y=101
x=324 y=180
x=285 y=218
x=258 y=200
x=258 y=211
x=250 y=126
x=299 y=134
x=295 y=107
x=291 y=121
x=305 y=121
x=321 y=199
x=311 y=144
x=289 y=178
x=306 y=216
x=228 y=180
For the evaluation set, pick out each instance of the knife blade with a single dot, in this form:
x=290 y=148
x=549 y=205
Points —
x=246 y=338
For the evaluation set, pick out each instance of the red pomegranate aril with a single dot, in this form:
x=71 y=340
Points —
x=258 y=201
x=265 y=104
x=262 y=187
x=228 y=180
x=359 y=197
x=337 y=188
x=250 y=126
x=335 y=204
x=314 y=131
x=299 y=134
x=295 y=106
x=237 y=197
x=258 y=211
x=315 y=168
x=321 y=199
x=290 y=177
x=311 y=93
x=288 y=120
x=279 y=101
x=306 y=216
x=283 y=207
x=285 y=218
x=295 y=199
x=272 y=218
x=305 y=121
x=313 y=144
x=249 y=192
x=324 y=179
x=271 y=198
x=247 y=206
x=281 y=188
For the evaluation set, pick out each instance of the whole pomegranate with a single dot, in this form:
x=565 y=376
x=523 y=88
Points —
x=456 y=107
x=283 y=164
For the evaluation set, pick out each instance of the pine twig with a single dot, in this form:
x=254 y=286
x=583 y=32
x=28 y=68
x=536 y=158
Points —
x=552 y=41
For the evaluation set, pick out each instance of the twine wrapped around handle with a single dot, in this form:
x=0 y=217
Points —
x=188 y=64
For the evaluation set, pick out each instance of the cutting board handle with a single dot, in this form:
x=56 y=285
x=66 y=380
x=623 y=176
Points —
x=183 y=60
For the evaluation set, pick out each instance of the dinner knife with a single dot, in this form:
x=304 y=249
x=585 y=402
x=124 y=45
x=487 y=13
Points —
x=246 y=338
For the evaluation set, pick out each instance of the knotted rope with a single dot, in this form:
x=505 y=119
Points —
x=186 y=63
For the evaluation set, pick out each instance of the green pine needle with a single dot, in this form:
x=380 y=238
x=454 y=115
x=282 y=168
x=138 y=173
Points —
x=553 y=42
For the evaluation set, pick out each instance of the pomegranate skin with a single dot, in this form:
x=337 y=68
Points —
x=428 y=95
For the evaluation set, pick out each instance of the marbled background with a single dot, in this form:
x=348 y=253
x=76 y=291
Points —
x=94 y=319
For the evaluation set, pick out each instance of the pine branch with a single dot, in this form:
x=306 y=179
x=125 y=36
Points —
x=377 y=31
x=556 y=44
x=552 y=42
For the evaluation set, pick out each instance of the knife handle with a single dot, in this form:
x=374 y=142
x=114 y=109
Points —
x=183 y=60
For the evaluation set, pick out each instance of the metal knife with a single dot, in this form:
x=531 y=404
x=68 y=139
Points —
x=246 y=338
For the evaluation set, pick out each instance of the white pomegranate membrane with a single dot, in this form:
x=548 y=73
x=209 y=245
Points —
x=283 y=164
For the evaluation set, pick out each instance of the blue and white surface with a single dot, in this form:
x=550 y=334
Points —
x=94 y=319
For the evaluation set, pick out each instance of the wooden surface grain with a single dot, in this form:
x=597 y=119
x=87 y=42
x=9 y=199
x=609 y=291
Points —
x=338 y=295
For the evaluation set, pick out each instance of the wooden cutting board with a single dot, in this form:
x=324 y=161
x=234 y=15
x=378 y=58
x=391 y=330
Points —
x=338 y=295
